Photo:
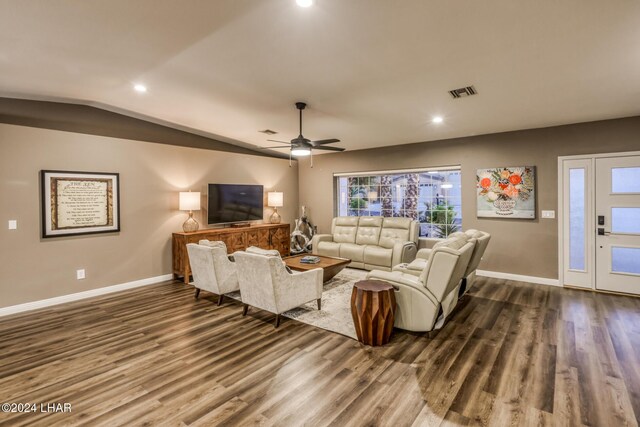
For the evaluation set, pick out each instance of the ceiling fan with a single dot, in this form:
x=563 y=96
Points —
x=301 y=146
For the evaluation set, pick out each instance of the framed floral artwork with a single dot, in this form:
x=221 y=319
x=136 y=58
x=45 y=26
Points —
x=506 y=192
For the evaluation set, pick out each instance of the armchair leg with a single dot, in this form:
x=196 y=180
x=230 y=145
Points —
x=245 y=309
x=277 y=320
x=197 y=293
x=220 y=298
x=319 y=303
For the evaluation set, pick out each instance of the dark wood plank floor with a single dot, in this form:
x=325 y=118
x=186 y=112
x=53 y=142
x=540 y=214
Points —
x=513 y=354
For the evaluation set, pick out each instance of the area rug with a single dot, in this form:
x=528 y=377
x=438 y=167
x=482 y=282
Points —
x=335 y=315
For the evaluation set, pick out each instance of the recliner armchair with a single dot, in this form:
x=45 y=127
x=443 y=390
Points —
x=212 y=270
x=265 y=283
x=425 y=301
x=428 y=244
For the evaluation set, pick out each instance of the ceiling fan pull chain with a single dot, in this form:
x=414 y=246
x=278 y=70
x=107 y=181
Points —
x=289 y=158
x=311 y=155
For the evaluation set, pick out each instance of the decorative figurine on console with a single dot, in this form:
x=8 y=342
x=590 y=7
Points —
x=302 y=235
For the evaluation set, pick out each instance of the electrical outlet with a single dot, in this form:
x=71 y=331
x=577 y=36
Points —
x=80 y=274
x=548 y=214
x=13 y=224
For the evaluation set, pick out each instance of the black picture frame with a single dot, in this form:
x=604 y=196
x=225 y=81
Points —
x=82 y=186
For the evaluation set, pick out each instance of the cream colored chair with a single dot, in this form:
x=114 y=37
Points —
x=428 y=244
x=425 y=301
x=266 y=284
x=212 y=270
x=370 y=242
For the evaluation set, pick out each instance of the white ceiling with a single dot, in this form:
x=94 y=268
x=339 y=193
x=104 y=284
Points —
x=373 y=72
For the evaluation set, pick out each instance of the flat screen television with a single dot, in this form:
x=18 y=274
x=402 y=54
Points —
x=234 y=203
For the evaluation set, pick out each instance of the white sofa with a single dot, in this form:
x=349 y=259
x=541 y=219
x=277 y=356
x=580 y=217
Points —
x=370 y=242
x=426 y=245
x=425 y=301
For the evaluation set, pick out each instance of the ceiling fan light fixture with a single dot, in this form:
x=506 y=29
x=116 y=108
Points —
x=140 y=88
x=300 y=151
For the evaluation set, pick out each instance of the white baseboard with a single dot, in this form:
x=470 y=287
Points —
x=519 y=277
x=34 y=305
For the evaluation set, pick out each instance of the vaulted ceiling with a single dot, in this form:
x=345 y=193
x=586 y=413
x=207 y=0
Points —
x=373 y=72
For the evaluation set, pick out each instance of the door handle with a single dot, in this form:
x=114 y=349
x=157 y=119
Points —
x=602 y=232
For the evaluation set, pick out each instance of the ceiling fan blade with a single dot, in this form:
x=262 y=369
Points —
x=329 y=148
x=279 y=146
x=275 y=140
x=325 y=141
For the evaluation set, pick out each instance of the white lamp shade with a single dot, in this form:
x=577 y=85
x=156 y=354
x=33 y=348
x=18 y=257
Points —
x=189 y=201
x=275 y=199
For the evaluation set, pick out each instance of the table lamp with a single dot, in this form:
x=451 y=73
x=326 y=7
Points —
x=275 y=200
x=190 y=201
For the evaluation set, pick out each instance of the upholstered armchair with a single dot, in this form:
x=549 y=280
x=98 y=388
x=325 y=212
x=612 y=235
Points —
x=428 y=244
x=266 y=284
x=212 y=269
x=425 y=301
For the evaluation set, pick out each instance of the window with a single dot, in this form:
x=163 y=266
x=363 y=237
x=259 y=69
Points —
x=432 y=197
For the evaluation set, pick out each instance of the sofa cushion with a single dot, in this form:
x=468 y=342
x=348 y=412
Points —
x=417 y=264
x=265 y=252
x=344 y=229
x=368 y=230
x=376 y=255
x=453 y=241
x=352 y=251
x=402 y=223
x=474 y=233
x=213 y=244
x=391 y=236
x=329 y=249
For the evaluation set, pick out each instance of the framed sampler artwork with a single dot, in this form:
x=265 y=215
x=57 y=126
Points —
x=76 y=203
x=506 y=192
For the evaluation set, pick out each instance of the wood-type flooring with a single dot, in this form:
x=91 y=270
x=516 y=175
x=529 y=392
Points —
x=512 y=354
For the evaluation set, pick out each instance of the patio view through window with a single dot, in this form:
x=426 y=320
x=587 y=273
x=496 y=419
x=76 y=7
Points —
x=433 y=197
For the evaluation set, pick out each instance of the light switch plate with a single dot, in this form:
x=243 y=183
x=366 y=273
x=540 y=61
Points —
x=548 y=214
x=80 y=274
x=13 y=224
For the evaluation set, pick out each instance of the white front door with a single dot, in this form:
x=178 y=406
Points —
x=617 y=223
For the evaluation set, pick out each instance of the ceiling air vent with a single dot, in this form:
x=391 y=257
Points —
x=463 y=92
x=268 y=131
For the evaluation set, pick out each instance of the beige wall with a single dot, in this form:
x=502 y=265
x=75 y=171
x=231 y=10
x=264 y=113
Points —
x=526 y=247
x=151 y=175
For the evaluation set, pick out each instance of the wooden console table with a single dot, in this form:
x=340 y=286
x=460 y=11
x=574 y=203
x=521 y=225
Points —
x=265 y=236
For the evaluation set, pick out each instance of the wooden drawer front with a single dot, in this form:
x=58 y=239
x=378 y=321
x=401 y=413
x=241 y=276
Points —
x=234 y=241
x=259 y=238
x=279 y=239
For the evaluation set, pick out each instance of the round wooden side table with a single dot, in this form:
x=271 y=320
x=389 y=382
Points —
x=373 y=305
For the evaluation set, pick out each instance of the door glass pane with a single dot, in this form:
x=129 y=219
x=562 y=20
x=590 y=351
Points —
x=625 y=260
x=576 y=220
x=625 y=220
x=625 y=180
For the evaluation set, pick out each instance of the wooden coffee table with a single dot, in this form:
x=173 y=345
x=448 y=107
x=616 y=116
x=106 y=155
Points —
x=330 y=265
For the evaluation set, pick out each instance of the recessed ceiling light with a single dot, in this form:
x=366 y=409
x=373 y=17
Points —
x=140 y=88
x=437 y=119
x=304 y=3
